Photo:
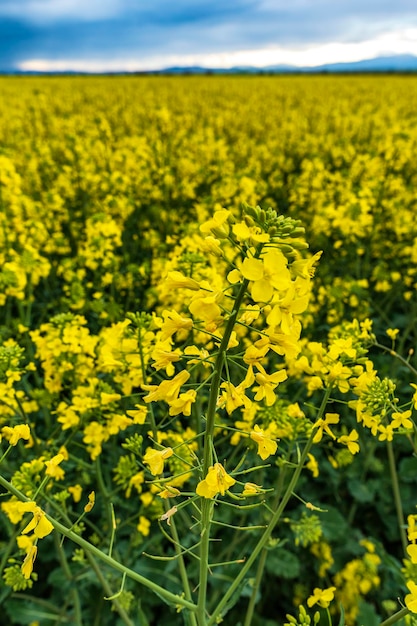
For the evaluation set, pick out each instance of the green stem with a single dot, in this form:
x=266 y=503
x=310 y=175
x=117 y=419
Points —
x=256 y=585
x=169 y=597
x=206 y=504
x=67 y=571
x=264 y=554
x=273 y=522
x=397 y=496
x=108 y=591
x=177 y=543
x=395 y=618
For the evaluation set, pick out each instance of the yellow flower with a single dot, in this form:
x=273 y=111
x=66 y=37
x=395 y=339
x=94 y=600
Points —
x=218 y=225
x=52 y=468
x=322 y=597
x=40 y=525
x=138 y=414
x=155 y=459
x=168 y=390
x=183 y=403
x=251 y=489
x=216 y=481
x=323 y=425
x=169 y=492
x=412 y=552
x=402 y=419
x=27 y=565
x=350 y=441
x=266 y=274
x=91 y=502
x=267 y=384
x=76 y=492
x=233 y=397
x=173 y=322
x=15 y=433
x=392 y=333
x=411 y=598
x=266 y=445
x=176 y=280
x=108 y=398
x=144 y=526
x=312 y=465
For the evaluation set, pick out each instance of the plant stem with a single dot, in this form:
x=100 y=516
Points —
x=264 y=554
x=206 y=504
x=169 y=597
x=397 y=496
x=273 y=522
x=395 y=618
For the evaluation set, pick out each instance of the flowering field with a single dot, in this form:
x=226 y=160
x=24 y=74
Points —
x=208 y=381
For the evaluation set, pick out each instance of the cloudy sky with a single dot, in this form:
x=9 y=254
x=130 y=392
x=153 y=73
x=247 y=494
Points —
x=128 y=35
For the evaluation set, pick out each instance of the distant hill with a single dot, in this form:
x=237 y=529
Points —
x=395 y=63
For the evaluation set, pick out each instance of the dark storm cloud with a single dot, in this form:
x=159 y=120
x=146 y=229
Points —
x=122 y=29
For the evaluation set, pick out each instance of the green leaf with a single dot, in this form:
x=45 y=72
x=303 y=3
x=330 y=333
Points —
x=281 y=562
x=342 y=616
x=334 y=524
x=367 y=615
x=362 y=492
x=408 y=468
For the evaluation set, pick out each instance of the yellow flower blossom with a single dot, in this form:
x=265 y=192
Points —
x=155 y=459
x=91 y=502
x=168 y=390
x=322 y=597
x=251 y=489
x=233 y=397
x=53 y=469
x=144 y=526
x=266 y=274
x=173 y=323
x=350 y=441
x=412 y=552
x=216 y=481
x=182 y=405
x=176 y=280
x=411 y=598
x=27 y=565
x=312 y=465
x=15 y=433
x=40 y=525
x=323 y=425
x=169 y=492
x=402 y=420
x=392 y=333
x=267 y=383
x=76 y=492
x=266 y=445
x=138 y=414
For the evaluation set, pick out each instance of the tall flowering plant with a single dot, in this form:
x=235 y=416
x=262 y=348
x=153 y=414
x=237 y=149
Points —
x=202 y=397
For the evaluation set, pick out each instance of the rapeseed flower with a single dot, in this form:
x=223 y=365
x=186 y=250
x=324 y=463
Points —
x=167 y=390
x=14 y=433
x=216 y=481
x=322 y=597
x=39 y=523
x=411 y=598
x=323 y=425
x=266 y=445
x=27 y=565
x=155 y=459
x=266 y=274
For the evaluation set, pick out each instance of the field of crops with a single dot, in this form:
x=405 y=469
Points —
x=208 y=323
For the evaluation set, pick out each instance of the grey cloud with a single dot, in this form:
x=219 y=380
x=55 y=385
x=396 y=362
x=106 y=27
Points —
x=161 y=27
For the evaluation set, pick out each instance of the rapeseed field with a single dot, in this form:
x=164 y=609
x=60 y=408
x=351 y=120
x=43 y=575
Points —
x=208 y=324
